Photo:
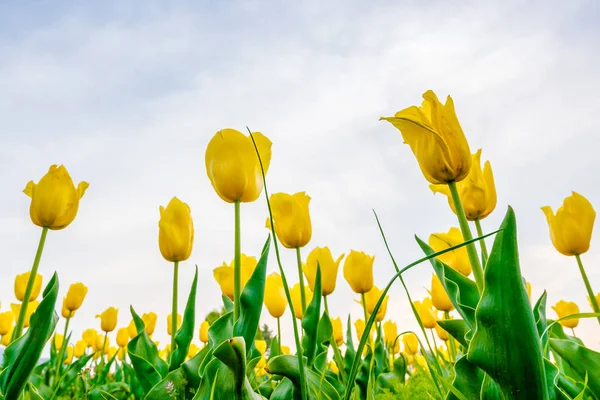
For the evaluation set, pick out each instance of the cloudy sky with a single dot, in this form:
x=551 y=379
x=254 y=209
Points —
x=127 y=96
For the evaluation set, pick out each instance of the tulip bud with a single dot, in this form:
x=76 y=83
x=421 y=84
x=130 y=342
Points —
x=371 y=299
x=224 y=274
x=291 y=219
x=16 y=309
x=108 y=319
x=358 y=271
x=425 y=311
x=564 y=309
x=54 y=199
x=329 y=269
x=58 y=341
x=204 y=331
x=457 y=259
x=338 y=333
x=169 y=323
x=89 y=336
x=132 y=330
x=285 y=350
x=75 y=296
x=297 y=299
x=7 y=319
x=442 y=334
x=80 y=347
x=411 y=343
x=333 y=367
x=149 y=323
x=175 y=231
x=275 y=299
x=390 y=332
x=192 y=350
x=261 y=346
x=359 y=325
x=122 y=337
x=21 y=284
x=439 y=297
x=6 y=338
x=69 y=358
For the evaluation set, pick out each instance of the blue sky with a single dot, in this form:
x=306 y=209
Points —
x=128 y=95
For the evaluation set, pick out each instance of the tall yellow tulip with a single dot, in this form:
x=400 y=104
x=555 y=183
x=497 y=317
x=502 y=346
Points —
x=390 y=331
x=132 y=329
x=275 y=299
x=359 y=325
x=371 y=299
x=7 y=319
x=358 y=271
x=75 y=296
x=439 y=297
x=338 y=333
x=411 y=343
x=21 y=284
x=224 y=275
x=58 y=341
x=176 y=231
x=69 y=358
x=297 y=301
x=108 y=319
x=122 y=337
x=291 y=219
x=457 y=259
x=436 y=138
x=149 y=322
x=204 y=331
x=564 y=309
x=233 y=167
x=425 y=311
x=329 y=269
x=80 y=347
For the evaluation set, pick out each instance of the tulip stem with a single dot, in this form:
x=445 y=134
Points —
x=435 y=346
x=18 y=331
x=452 y=345
x=61 y=352
x=573 y=331
x=237 y=265
x=364 y=303
x=484 y=251
x=174 y=305
x=279 y=334
x=301 y=280
x=588 y=286
x=337 y=354
x=466 y=232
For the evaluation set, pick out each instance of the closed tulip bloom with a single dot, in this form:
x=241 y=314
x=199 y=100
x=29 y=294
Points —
x=291 y=219
x=233 y=167
x=359 y=325
x=411 y=343
x=75 y=296
x=69 y=356
x=175 y=231
x=7 y=319
x=6 y=338
x=108 y=319
x=260 y=345
x=100 y=344
x=192 y=350
x=358 y=271
x=122 y=337
x=439 y=297
x=564 y=309
x=33 y=305
x=149 y=322
x=329 y=269
x=442 y=334
x=204 y=331
x=224 y=274
x=390 y=331
x=285 y=350
x=477 y=191
x=371 y=299
x=64 y=311
x=58 y=341
x=54 y=199
x=275 y=299
x=89 y=336
x=436 y=139
x=338 y=333
x=80 y=347
x=21 y=285
x=333 y=367
x=169 y=325
x=112 y=351
x=425 y=311
x=297 y=301
x=132 y=330
x=457 y=259
x=571 y=227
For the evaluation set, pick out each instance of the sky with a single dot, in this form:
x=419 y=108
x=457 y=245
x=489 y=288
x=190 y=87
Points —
x=127 y=95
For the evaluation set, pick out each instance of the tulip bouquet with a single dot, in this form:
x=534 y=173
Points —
x=481 y=354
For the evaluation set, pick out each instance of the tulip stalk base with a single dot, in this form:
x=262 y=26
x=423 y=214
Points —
x=588 y=286
x=466 y=232
x=33 y=273
x=364 y=304
x=301 y=280
x=174 y=305
x=237 y=265
x=484 y=251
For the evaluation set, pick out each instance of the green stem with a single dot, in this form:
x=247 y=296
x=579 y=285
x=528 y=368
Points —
x=435 y=346
x=279 y=334
x=573 y=331
x=466 y=232
x=174 y=305
x=484 y=251
x=61 y=352
x=337 y=354
x=237 y=265
x=364 y=303
x=451 y=344
x=18 y=331
x=301 y=280
x=588 y=286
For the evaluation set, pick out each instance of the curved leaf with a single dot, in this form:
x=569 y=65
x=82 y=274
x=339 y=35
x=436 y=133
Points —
x=185 y=334
x=318 y=386
x=285 y=391
x=468 y=379
x=457 y=328
x=583 y=360
x=396 y=376
x=310 y=321
x=172 y=386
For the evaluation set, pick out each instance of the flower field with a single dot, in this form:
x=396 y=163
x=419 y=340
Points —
x=481 y=334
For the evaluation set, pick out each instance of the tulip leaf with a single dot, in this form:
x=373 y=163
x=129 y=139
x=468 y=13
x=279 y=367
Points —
x=191 y=367
x=397 y=375
x=285 y=391
x=468 y=379
x=218 y=332
x=490 y=390
x=171 y=386
x=287 y=366
x=185 y=334
x=511 y=356
x=251 y=300
x=583 y=360
x=324 y=337
x=539 y=315
x=148 y=366
x=22 y=355
x=232 y=353
x=310 y=321
x=227 y=303
x=350 y=351
x=71 y=373
x=457 y=328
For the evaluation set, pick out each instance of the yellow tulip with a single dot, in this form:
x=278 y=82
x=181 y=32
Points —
x=224 y=274
x=122 y=353
x=359 y=325
x=396 y=348
x=169 y=321
x=439 y=297
x=132 y=330
x=108 y=319
x=69 y=357
x=390 y=331
x=33 y=305
x=204 y=331
x=192 y=350
x=457 y=259
x=149 y=323
x=164 y=353
x=102 y=344
x=425 y=311
x=338 y=333
x=564 y=309
x=112 y=351
x=7 y=337
x=528 y=288
x=80 y=347
x=442 y=334
x=333 y=367
x=291 y=219
x=21 y=285
x=75 y=296
x=275 y=299
x=571 y=227
x=371 y=299
x=329 y=269
x=436 y=138
x=358 y=271
x=297 y=301
x=285 y=349
x=54 y=199
x=233 y=167
x=64 y=311
x=589 y=300
x=175 y=231
x=122 y=337
x=89 y=336
x=411 y=343
x=58 y=341
x=260 y=345
x=7 y=319
x=477 y=191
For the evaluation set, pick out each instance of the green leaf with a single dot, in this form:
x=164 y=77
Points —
x=219 y=331
x=22 y=355
x=285 y=391
x=324 y=337
x=397 y=375
x=192 y=366
x=251 y=300
x=227 y=303
x=457 y=328
x=222 y=379
x=506 y=338
x=539 y=315
x=70 y=375
x=109 y=391
x=148 y=366
x=172 y=386
x=310 y=321
x=468 y=379
x=185 y=333
x=583 y=360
